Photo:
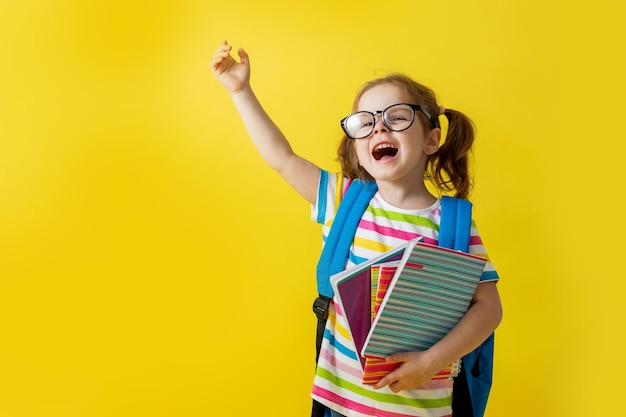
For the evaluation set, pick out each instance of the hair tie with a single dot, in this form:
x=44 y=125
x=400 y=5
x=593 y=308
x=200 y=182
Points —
x=442 y=110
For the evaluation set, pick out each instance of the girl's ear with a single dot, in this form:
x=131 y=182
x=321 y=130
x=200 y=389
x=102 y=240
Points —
x=433 y=139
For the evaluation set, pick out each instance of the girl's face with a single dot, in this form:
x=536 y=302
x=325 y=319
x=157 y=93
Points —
x=398 y=157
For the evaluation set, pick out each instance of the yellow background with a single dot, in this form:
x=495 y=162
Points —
x=152 y=265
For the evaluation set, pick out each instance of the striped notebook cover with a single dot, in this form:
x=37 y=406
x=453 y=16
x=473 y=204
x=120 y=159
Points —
x=429 y=294
x=382 y=274
x=375 y=368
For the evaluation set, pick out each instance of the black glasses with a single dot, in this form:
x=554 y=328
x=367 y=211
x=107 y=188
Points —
x=396 y=118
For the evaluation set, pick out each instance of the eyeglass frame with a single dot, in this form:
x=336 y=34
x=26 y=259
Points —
x=434 y=123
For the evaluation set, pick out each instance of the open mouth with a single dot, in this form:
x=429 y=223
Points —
x=384 y=150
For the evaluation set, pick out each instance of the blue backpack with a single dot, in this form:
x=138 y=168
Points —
x=472 y=385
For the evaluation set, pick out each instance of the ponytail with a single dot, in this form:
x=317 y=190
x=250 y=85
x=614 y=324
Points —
x=449 y=166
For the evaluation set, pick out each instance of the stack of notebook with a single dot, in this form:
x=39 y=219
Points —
x=406 y=299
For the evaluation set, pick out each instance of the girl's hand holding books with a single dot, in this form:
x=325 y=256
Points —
x=416 y=370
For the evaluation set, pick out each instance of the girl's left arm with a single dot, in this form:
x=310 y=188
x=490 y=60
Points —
x=480 y=320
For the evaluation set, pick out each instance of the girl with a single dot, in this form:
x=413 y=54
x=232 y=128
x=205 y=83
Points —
x=393 y=137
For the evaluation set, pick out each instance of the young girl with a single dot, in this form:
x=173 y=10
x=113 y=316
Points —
x=393 y=137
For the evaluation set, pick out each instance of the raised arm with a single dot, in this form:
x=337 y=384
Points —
x=269 y=141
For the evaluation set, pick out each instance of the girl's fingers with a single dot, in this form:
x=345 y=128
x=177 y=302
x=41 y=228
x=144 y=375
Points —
x=243 y=56
x=219 y=57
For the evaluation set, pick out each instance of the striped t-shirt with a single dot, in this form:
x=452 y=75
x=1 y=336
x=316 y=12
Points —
x=338 y=376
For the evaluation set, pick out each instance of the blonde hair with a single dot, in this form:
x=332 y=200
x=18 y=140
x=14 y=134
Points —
x=448 y=167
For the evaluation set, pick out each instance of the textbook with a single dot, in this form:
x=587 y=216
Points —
x=429 y=293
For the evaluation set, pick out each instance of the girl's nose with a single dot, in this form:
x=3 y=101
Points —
x=379 y=124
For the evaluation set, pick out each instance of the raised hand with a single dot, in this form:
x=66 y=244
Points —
x=272 y=145
x=233 y=75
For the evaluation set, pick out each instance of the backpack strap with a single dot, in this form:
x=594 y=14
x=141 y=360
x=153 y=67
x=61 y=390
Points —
x=455 y=224
x=472 y=386
x=334 y=256
x=337 y=246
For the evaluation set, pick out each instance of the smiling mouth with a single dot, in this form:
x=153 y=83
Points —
x=384 y=150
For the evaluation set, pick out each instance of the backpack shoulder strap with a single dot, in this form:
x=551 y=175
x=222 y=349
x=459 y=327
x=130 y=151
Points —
x=455 y=224
x=472 y=386
x=341 y=234
x=334 y=255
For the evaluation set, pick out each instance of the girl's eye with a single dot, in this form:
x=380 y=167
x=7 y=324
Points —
x=397 y=119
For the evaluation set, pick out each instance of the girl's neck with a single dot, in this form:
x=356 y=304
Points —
x=408 y=198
